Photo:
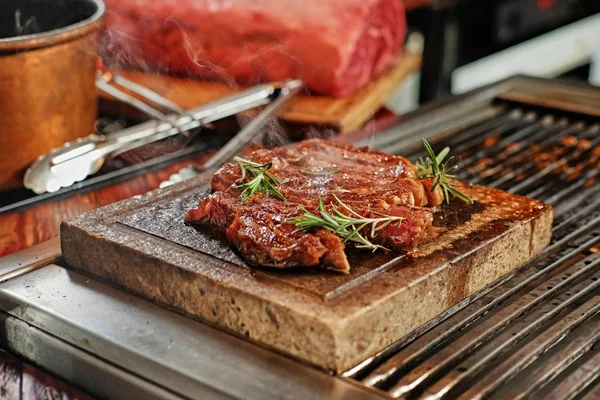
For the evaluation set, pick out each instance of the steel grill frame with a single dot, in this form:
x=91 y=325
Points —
x=541 y=321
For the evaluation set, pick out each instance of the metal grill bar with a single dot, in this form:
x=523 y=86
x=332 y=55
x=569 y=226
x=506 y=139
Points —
x=585 y=211
x=418 y=350
x=450 y=356
x=571 y=189
x=554 y=166
x=515 y=124
x=523 y=156
x=510 y=180
x=584 y=338
x=577 y=383
x=389 y=140
x=547 y=144
x=522 y=358
x=593 y=394
x=506 y=146
x=543 y=320
x=528 y=354
x=485 y=129
x=476 y=135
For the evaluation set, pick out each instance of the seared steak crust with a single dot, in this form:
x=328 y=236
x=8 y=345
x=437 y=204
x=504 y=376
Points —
x=368 y=181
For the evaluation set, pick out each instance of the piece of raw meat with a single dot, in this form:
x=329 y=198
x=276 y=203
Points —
x=335 y=46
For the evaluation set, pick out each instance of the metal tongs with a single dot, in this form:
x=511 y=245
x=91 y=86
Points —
x=76 y=160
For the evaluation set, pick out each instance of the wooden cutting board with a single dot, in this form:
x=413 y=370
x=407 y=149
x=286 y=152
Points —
x=322 y=317
x=343 y=115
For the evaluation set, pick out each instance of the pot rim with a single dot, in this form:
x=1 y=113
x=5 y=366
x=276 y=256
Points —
x=59 y=35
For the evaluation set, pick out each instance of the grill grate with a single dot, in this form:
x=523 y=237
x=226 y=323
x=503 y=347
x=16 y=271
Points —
x=535 y=332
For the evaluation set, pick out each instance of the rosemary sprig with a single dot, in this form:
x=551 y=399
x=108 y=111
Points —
x=435 y=167
x=322 y=172
x=346 y=225
x=260 y=179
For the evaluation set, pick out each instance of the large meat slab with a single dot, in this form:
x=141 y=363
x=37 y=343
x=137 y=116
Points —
x=335 y=46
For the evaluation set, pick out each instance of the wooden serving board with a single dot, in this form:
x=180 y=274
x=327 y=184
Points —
x=328 y=319
x=343 y=115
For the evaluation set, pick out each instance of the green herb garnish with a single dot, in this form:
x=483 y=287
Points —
x=260 y=179
x=322 y=172
x=435 y=167
x=347 y=226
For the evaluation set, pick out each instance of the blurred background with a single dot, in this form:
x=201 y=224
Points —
x=472 y=43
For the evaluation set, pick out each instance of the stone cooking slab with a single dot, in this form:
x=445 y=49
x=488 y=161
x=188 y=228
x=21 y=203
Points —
x=331 y=320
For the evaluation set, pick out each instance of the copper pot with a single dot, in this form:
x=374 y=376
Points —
x=47 y=78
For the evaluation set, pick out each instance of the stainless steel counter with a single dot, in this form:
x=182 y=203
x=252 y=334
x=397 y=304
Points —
x=117 y=345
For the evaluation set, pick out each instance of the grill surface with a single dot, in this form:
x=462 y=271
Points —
x=534 y=333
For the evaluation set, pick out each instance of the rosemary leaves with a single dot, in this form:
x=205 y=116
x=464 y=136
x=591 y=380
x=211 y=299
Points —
x=435 y=167
x=260 y=179
x=349 y=226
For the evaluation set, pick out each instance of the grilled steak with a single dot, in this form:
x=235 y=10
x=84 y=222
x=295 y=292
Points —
x=371 y=183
